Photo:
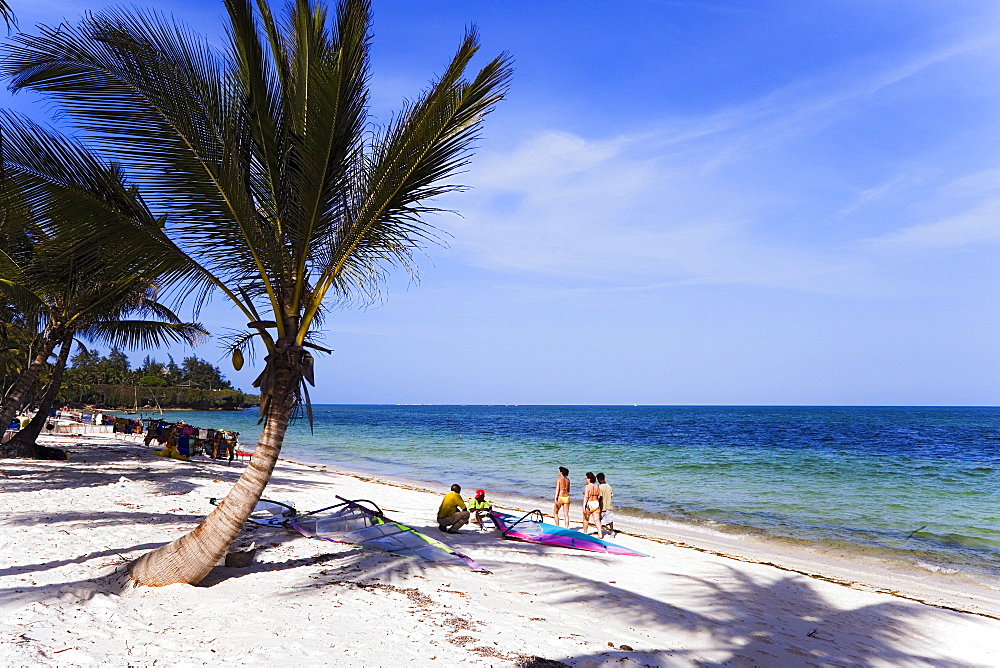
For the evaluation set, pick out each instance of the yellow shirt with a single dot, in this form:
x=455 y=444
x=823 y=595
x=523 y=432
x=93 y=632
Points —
x=451 y=502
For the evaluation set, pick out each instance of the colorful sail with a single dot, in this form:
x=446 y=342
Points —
x=267 y=513
x=532 y=529
x=355 y=523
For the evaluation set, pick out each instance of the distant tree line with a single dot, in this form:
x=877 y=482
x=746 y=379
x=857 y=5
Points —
x=109 y=380
x=90 y=367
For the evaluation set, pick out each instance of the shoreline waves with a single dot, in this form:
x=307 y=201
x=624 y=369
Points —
x=914 y=486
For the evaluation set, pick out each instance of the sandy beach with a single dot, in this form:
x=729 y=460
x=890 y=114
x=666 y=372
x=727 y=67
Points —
x=699 y=599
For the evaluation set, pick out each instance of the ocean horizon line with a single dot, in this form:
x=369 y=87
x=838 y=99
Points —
x=634 y=405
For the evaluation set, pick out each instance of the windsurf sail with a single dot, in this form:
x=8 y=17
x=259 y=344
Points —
x=354 y=522
x=360 y=522
x=267 y=513
x=530 y=528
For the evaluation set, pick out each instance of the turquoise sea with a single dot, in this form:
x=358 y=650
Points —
x=918 y=484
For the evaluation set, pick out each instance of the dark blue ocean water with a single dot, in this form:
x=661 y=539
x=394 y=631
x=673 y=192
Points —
x=919 y=484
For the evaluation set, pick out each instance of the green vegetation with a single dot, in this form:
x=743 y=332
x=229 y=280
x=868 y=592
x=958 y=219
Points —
x=109 y=381
x=61 y=291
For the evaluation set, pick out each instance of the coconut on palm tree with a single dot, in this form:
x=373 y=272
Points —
x=276 y=187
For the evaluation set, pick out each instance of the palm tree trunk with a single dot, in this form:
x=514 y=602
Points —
x=12 y=402
x=192 y=556
x=23 y=443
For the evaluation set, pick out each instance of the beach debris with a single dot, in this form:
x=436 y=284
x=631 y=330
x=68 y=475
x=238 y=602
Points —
x=538 y=662
x=915 y=531
x=627 y=648
x=241 y=557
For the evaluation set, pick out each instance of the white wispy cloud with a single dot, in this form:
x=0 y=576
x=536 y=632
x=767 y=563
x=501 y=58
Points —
x=874 y=194
x=979 y=225
x=731 y=197
x=606 y=210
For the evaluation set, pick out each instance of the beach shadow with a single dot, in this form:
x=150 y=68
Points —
x=343 y=558
x=129 y=460
x=108 y=578
x=94 y=520
x=102 y=518
x=783 y=622
x=779 y=623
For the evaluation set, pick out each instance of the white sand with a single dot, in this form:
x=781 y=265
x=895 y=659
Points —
x=68 y=527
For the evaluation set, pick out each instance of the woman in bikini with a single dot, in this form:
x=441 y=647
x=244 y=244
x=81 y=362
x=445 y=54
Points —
x=562 y=495
x=592 y=504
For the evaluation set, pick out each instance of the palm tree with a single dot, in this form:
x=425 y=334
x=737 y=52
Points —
x=68 y=301
x=277 y=189
x=16 y=344
x=62 y=288
x=108 y=323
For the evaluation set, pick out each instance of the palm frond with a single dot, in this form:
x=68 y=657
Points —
x=147 y=306
x=27 y=302
x=429 y=142
x=85 y=202
x=155 y=95
x=7 y=14
x=144 y=334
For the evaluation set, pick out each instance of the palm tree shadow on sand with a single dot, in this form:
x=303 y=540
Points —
x=98 y=464
x=784 y=622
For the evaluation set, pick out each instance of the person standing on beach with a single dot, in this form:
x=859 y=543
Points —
x=607 y=509
x=592 y=504
x=562 y=495
x=449 y=517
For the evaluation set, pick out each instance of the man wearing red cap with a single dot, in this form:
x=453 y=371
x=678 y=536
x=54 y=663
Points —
x=479 y=507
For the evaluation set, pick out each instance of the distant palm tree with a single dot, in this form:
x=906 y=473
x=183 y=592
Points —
x=279 y=191
x=112 y=324
x=59 y=288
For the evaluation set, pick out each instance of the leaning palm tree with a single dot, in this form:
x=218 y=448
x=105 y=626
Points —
x=278 y=191
x=133 y=320
x=62 y=288
x=73 y=297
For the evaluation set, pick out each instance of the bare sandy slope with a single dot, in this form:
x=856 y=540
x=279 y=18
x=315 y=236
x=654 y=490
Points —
x=68 y=527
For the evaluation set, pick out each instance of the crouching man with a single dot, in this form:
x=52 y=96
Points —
x=452 y=515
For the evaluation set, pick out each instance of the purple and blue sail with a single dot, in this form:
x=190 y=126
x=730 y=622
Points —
x=530 y=528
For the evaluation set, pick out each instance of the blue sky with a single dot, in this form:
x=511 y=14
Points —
x=690 y=203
